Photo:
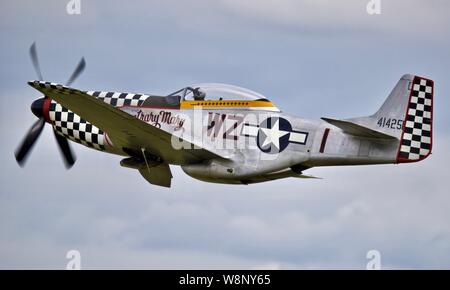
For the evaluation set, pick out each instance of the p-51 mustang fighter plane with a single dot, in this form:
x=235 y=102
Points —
x=226 y=134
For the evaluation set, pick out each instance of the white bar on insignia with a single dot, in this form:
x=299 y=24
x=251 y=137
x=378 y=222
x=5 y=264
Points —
x=297 y=137
x=249 y=130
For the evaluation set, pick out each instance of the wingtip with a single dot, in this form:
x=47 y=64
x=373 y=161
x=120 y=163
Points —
x=45 y=85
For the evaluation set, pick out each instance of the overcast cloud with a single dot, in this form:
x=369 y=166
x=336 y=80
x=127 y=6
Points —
x=311 y=58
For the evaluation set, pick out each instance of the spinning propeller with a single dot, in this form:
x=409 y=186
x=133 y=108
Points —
x=40 y=108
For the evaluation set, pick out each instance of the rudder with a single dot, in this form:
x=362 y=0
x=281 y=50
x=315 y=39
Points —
x=416 y=137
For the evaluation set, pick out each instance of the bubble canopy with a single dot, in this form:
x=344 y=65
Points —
x=217 y=92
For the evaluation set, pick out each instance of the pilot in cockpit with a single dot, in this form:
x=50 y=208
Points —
x=199 y=95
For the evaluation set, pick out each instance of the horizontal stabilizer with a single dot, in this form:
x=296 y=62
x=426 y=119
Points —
x=357 y=130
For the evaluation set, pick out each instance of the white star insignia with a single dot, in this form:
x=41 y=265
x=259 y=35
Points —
x=273 y=135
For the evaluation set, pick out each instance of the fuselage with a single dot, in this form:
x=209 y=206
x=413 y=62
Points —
x=240 y=136
x=259 y=141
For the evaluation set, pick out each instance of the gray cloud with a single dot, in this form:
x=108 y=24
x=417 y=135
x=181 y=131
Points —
x=311 y=65
x=400 y=210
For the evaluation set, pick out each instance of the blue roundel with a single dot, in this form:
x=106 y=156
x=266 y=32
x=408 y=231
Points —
x=273 y=135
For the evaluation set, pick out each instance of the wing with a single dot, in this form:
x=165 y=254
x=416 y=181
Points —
x=125 y=131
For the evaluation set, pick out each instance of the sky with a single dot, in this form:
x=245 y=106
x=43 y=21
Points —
x=311 y=58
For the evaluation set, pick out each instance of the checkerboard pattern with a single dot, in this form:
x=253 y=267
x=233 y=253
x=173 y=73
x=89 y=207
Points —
x=119 y=99
x=70 y=125
x=111 y=98
x=57 y=87
x=415 y=144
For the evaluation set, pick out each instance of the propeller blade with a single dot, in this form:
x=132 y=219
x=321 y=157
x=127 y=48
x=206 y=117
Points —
x=35 y=60
x=66 y=152
x=78 y=70
x=29 y=141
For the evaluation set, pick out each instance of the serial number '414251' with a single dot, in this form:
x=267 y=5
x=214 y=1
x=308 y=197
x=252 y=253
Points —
x=390 y=123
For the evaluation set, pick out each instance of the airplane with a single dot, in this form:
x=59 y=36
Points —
x=227 y=134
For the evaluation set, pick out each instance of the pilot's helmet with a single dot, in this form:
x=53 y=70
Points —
x=199 y=94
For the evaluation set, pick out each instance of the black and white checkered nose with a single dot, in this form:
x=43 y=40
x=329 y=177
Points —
x=37 y=107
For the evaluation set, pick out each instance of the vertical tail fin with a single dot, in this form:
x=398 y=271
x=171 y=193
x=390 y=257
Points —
x=407 y=115
x=394 y=106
